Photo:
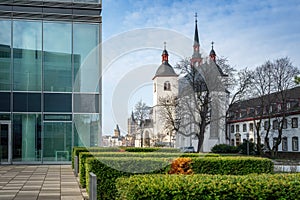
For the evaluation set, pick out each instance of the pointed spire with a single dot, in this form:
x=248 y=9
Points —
x=212 y=53
x=165 y=55
x=196 y=57
x=196 y=35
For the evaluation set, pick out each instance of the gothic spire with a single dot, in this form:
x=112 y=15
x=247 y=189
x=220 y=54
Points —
x=196 y=57
x=196 y=35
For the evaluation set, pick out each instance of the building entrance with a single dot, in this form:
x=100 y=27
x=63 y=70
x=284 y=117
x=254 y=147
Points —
x=5 y=142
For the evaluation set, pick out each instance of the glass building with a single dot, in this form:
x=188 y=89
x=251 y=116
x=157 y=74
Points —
x=50 y=85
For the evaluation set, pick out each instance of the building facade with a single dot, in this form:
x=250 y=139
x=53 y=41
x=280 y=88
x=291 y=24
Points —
x=246 y=116
x=50 y=91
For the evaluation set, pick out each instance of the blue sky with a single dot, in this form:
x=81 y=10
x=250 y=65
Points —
x=246 y=32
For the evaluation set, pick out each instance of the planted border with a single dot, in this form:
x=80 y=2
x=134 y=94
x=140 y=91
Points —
x=84 y=155
x=106 y=176
x=232 y=165
x=194 y=187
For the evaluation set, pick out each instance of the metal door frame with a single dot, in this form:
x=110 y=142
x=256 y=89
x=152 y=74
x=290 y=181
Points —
x=9 y=142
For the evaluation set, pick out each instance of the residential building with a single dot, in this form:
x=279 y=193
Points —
x=50 y=87
x=246 y=115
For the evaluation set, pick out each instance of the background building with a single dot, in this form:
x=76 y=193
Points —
x=50 y=92
x=244 y=116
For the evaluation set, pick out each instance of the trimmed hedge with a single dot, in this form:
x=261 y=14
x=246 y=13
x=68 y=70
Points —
x=151 y=149
x=232 y=165
x=194 y=187
x=84 y=155
x=106 y=176
x=76 y=151
x=224 y=148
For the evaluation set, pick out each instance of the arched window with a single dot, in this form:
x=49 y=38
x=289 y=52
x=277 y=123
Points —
x=154 y=86
x=295 y=144
x=167 y=86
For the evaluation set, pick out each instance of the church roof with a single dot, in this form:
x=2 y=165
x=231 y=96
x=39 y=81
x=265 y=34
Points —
x=165 y=69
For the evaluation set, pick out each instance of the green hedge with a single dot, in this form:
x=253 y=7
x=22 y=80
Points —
x=194 y=187
x=232 y=165
x=84 y=155
x=106 y=176
x=224 y=148
x=151 y=149
x=76 y=151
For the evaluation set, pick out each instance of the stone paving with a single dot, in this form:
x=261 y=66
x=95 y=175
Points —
x=29 y=182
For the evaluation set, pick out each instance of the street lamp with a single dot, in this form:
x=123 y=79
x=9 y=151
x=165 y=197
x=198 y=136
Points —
x=247 y=135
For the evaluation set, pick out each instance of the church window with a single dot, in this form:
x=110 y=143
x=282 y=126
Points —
x=154 y=86
x=167 y=86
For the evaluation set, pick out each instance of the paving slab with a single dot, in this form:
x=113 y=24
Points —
x=35 y=182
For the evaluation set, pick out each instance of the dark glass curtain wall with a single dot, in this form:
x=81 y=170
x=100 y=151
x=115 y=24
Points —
x=48 y=98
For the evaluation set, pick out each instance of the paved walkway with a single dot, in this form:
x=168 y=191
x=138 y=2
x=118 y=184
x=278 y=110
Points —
x=20 y=182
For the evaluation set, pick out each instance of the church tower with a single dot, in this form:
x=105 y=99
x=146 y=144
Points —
x=165 y=84
x=196 y=59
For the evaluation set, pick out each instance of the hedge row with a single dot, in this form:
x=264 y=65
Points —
x=151 y=149
x=77 y=150
x=108 y=170
x=194 y=187
x=84 y=155
x=232 y=165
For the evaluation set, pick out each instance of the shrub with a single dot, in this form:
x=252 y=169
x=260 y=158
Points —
x=224 y=148
x=84 y=155
x=253 y=186
x=106 y=176
x=243 y=148
x=181 y=166
x=151 y=149
x=231 y=165
x=77 y=150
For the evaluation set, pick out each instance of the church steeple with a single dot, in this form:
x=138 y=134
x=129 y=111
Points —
x=196 y=57
x=212 y=53
x=165 y=55
x=196 y=36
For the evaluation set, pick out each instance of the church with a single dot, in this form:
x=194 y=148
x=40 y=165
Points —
x=164 y=129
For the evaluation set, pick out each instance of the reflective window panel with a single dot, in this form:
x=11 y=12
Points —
x=27 y=102
x=86 y=129
x=86 y=103
x=5 y=54
x=26 y=137
x=57 y=102
x=57 y=141
x=27 y=55
x=4 y=101
x=86 y=57
x=57 y=43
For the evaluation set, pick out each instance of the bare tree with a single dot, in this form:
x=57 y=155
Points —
x=297 y=79
x=141 y=113
x=237 y=83
x=188 y=114
x=271 y=82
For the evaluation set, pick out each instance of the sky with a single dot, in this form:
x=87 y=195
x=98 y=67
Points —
x=247 y=33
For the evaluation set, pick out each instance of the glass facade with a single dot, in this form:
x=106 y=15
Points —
x=48 y=100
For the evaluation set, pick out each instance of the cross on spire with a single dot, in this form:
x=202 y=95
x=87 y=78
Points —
x=196 y=17
x=212 y=45
x=165 y=45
